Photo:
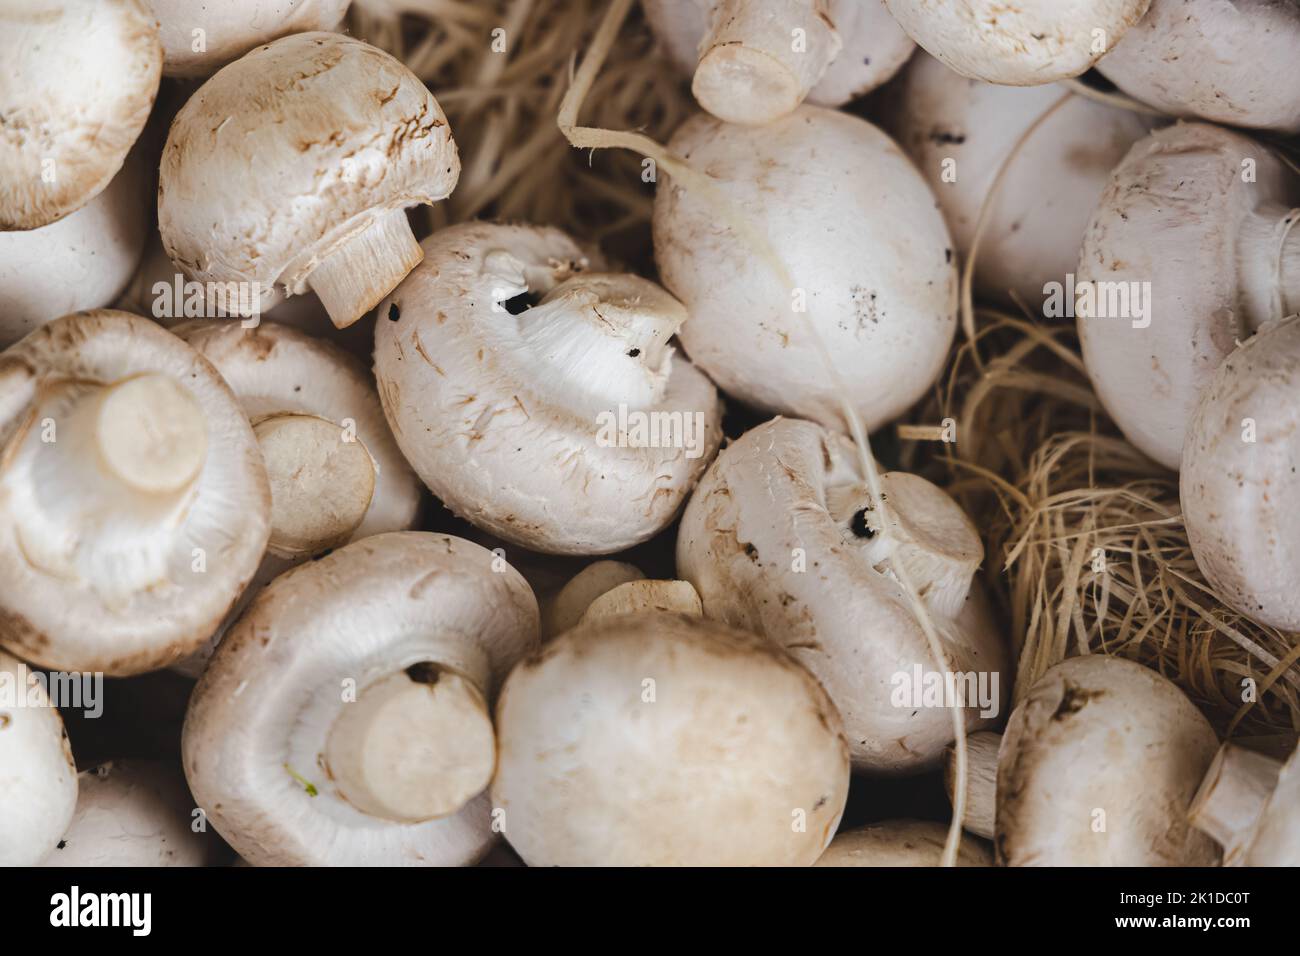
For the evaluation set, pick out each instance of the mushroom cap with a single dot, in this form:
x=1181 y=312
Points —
x=261 y=715
x=90 y=587
x=233 y=27
x=38 y=778
x=1277 y=837
x=1036 y=225
x=1022 y=44
x=1240 y=492
x=763 y=545
x=565 y=608
x=274 y=369
x=134 y=813
x=901 y=843
x=1171 y=221
x=292 y=150
x=1230 y=63
x=506 y=426
x=859 y=233
x=657 y=739
x=82 y=261
x=1098 y=765
x=77 y=81
x=874 y=45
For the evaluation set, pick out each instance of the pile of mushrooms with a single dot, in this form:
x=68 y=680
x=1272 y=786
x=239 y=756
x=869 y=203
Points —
x=592 y=542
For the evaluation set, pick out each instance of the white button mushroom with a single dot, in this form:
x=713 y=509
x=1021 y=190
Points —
x=77 y=81
x=1231 y=63
x=1098 y=766
x=780 y=539
x=293 y=166
x=568 y=427
x=38 y=779
x=636 y=597
x=1021 y=44
x=1232 y=798
x=859 y=234
x=1239 y=483
x=133 y=495
x=1277 y=837
x=756 y=60
x=82 y=261
x=1190 y=250
x=981 y=781
x=199 y=36
x=135 y=813
x=566 y=607
x=961 y=132
x=900 y=843
x=344 y=719
x=662 y=739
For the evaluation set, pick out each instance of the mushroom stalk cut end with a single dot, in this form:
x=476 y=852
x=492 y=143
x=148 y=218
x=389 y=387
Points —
x=415 y=746
x=150 y=434
x=352 y=279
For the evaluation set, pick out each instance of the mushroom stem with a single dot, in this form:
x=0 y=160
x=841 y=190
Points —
x=322 y=481
x=605 y=336
x=1232 y=797
x=1270 y=261
x=414 y=746
x=760 y=58
x=352 y=279
x=981 y=781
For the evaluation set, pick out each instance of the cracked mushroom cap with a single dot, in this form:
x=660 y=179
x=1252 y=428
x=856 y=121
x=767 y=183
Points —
x=1036 y=225
x=293 y=166
x=569 y=427
x=1239 y=484
x=133 y=499
x=228 y=29
x=858 y=232
x=656 y=739
x=781 y=539
x=1194 y=224
x=82 y=261
x=38 y=778
x=77 y=81
x=1230 y=63
x=745 y=67
x=1022 y=44
x=1098 y=765
x=901 y=843
x=134 y=813
x=345 y=718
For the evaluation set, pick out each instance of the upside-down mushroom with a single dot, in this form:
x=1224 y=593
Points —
x=781 y=539
x=345 y=718
x=537 y=399
x=293 y=166
x=133 y=498
x=656 y=739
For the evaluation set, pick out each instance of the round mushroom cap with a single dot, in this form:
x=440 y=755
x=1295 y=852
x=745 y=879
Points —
x=901 y=843
x=133 y=498
x=860 y=236
x=227 y=30
x=1098 y=766
x=433 y=607
x=82 y=261
x=1036 y=223
x=38 y=778
x=291 y=152
x=568 y=426
x=1239 y=486
x=657 y=739
x=135 y=813
x=1022 y=44
x=873 y=46
x=77 y=81
x=780 y=539
x=1231 y=63
x=1181 y=256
